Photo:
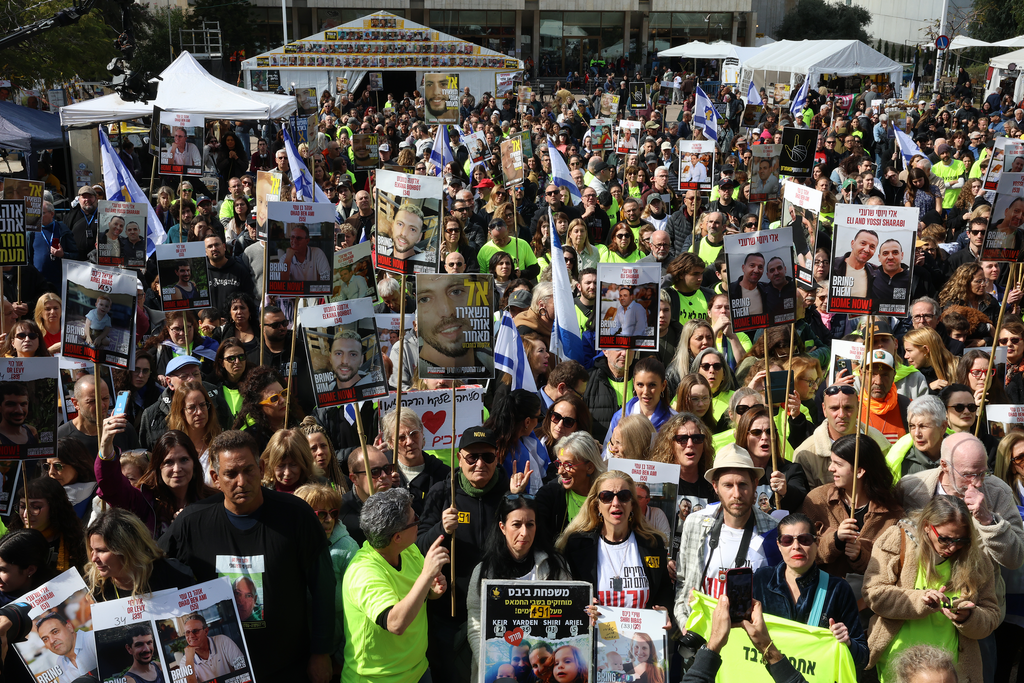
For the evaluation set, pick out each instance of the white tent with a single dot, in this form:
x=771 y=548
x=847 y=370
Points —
x=783 y=61
x=717 y=50
x=381 y=42
x=1010 y=42
x=963 y=42
x=1000 y=66
x=186 y=87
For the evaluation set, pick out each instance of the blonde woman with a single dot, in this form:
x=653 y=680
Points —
x=288 y=462
x=323 y=453
x=47 y=316
x=631 y=439
x=1010 y=464
x=578 y=239
x=923 y=348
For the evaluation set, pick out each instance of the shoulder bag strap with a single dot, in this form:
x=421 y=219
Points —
x=819 y=599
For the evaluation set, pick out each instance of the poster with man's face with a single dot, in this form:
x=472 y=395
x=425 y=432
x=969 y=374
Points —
x=60 y=645
x=779 y=94
x=305 y=101
x=1005 y=234
x=453 y=322
x=71 y=371
x=300 y=248
x=696 y=164
x=184 y=276
x=872 y=260
x=628 y=140
x=344 y=356
x=121 y=240
x=764 y=172
x=441 y=98
x=629 y=295
x=504 y=83
x=376 y=82
x=268 y=189
x=513 y=163
x=98 y=319
x=181 y=138
x=762 y=290
x=525 y=93
x=800 y=208
x=389 y=330
x=609 y=105
x=366 y=149
x=796 y=158
x=32 y=192
x=13 y=245
x=408 y=232
x=28 y=408
x=353 y=273
x=1007 y=155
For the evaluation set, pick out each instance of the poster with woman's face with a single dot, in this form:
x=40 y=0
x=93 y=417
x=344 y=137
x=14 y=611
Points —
x=28 y=408
x=344 y=354
x=632 y=645
x=184 y=276
x=800 y=208
x=408 y=208
x=1007 y=155
x=121 y=239
x=762 y=289
x=300 y=248
x=1005 y=235
x=629 y=296
x=98 y=319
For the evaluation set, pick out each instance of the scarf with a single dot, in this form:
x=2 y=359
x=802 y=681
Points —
x=884 y=415
x=474 y=491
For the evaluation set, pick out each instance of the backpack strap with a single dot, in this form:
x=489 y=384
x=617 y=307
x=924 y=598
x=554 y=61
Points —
x=819 y=599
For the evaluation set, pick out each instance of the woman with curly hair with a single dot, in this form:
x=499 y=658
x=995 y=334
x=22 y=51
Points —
x=141 y=385
x=24 y=340
x=48 y=510
x=323 y=454
x=967 y=287
x=288 y=462
x=192 y=412
x=686 y=441
x=621 y=247
x=47 y=316
x=263 y=406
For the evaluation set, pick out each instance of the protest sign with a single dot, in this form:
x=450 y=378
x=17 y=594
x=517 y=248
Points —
x=455 y=327
x=632 y=645
x=13 y=236
x=609 y=106
x=696 y=164
x=441 y=98
x=434 y=408
x=1007 y=155
x=779 y=94
x=305 y=101
x=344 y=356
x=408 y=231
x=366 y=150
x=504 y=82
x=762 y=291
x=525 y=93
x=1005 y=234
x=629 y=294
x=388 y=329
x=800 y=208
x=353 y=273
x=764 y=172
x=268 y=189
x=181 y=136
x=796 y=158
x=61 y=614
x=10 y=483
x=31 y=192
x=1004 y=412
x=513 y=161
x=184 y=276
x=872 y=259
x=476 y=143
x=71 y=371
x=341 y=85
x=601 y=134
x=517 y=613
x=376 y=81
x=121 y=240
x=662 y=482
x=628 y=140
x=28 y=408
x=300 y=248
x=637 y=96
x=846 y=355
x=98 y=319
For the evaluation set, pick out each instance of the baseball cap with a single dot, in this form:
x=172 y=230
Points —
x=884 y=357
x=86 y=189
x=179 y=362
x=203 y=198
x=651 y=125
x=666 y=145
x=404 y=144
x=486 y=182
x=384 y=148
x=475 y=435
x=599 y=166
x=520 y=299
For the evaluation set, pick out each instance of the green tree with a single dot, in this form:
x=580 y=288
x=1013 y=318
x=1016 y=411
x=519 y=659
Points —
x=817 y=19
x=156 y=35
x=997 y=20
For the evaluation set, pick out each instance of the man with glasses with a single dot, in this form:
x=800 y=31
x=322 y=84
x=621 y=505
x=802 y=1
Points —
x=383 y=475
x=553 y=196
x=924 y=312
x=661 y=250
x=154 y=419
x=593 y=216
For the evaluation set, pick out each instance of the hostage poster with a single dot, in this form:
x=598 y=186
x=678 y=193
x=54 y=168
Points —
x=513 y=161
x=764 y=174
x=696 y=164
x=629 y=296
x=300 y=248
x=872 y=260
x=546 y=618
x=60 y=646
x=181 y=136
x=601 y=134
x=13 y=238
x=762 y=291
x=1005 y=234
x=632 y=645
x=268 y=189
x=344 y=356
x=441 y=98
x=1007 y=155
x=98 y=319
x=121 y=239
x=31 y=192
x=628 y=140
x=454 y=323
x=434 y=409
x=184 y=276
x=353 y=273
x=408 y=232
x=28 y=408
x=388 y=329
x=656 y=484
x=800 y=208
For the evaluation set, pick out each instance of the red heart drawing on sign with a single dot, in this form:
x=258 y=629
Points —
x=434 y=421
x=514 y=637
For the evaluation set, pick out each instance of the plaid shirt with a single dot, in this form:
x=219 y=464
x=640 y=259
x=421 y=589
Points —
x=692 y=547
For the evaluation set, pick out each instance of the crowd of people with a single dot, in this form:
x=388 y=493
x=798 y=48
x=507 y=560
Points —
x=903 y=493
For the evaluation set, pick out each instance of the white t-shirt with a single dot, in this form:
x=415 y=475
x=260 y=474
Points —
x=724 y=557
x=754 y=304
x=677 y=82
x=621 y=560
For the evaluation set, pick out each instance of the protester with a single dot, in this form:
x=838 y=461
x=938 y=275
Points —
x=48 y=510
x=578 y=463
x=323 y=454
x=287 y=462
x=632 y=438
x=72 y=469
x=418 y=471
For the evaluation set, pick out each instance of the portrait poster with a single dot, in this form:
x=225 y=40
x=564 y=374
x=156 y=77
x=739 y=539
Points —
x=525 y=93
x=28 y=408
x=61 y=614
x=159 y=636
x=376 y=81
x=1005 y=233
x=632 y=645
x=696 y=164
x=609 y=105
x=476 y=143
x=121 y=238
x=762 y=290
x=454 y=323
x=629 y=294
x=845 y=355
x=434 y=409
x=1007 y=413
x=98 y=319
x=796 y=158
x=504 y=84
x=764 y=174
x=601 y=131
x=71 y=371
x=513 y=161
x=31 y=191
x=340 y=85
x=184 y=276
x=628 y=140
x=637 y=96
x=408 y=230
x=300 y=248
x=305 y=102
x=751 y=113
x=515 y=614
x=800 y=208
x=353 y=273
x=872 y=260
x=440 y=98
x=181 y=137
x=13 y=236
x=779 y=93
x=1007 y=155
x=388 y=329
x=662 y=482
x=366 y=150
x=344 y=355
x=268 y=189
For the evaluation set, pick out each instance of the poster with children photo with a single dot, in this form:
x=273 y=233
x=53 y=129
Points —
x=28 y=407
x=181 y=137
x=300 y=248
x=121 y=240
x=696 y=164
x=60 y=645
x=98 y=319
x=631 y=645
x=184 y=276
x=762 y=290
x=629 y=305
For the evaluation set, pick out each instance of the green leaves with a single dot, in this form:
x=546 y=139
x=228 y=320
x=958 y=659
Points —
x=817 y=19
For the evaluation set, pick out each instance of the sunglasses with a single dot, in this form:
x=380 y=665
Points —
x=961 y=407
x=711 y=366
x=681 y=439
x=324 y=515
x=741 y=409
x=949 y=540
x=472 y=458
x=623 y=495
x=415 y=522
x=33 y=336
x=277 y=326
x=235 y=359
x=1002 y=342
x=840 y=389
x=274 y=399
x=786 y=540
x=376 y=472
x=758 y=433
x=558 y=418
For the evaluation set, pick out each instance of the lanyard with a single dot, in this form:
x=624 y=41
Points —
x=716 y=531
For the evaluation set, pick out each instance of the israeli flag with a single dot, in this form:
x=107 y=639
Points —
x=908 y=148
x=301 y=179
x=441 y=153
x=704 y=115
x=800 y=100
x=753 y=96
x=122 y=187
x=510 y=356
x=566 y=339
x=560 y=174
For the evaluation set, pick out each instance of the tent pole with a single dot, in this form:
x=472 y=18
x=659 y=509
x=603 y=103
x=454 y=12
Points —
x=67 y=161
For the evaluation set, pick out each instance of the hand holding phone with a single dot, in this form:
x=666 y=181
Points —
x=739 y=587
x=121 y=405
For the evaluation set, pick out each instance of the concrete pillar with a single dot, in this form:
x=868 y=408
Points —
x=752 y=29
x=293 y=29
x=627 y=21
x=735 y=26
x=645 y=30
x=536 y=44
x=519 y=33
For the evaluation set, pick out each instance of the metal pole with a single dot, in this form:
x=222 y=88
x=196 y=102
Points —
x=940 y=53
x=284 y=20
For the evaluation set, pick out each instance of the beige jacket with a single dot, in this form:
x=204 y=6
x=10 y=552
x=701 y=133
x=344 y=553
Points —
x=814 y=453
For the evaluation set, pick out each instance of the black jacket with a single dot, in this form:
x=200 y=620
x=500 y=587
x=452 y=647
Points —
x=581 y=553
x=83 y=230
x=232 y=277
x=601 y=398
x=434 y=472
x=552 y=509
x=348 y=515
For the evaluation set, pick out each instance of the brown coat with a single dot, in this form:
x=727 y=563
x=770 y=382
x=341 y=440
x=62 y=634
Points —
x=890 y=594
x=826 y=509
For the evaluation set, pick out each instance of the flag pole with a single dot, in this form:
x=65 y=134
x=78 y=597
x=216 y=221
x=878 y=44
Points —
x=400 y=368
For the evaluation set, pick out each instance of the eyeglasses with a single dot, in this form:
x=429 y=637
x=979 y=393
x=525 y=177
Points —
x=696 y=439
x=743 y=408
x=376 y=472
x=1002 y=342
x=711 y=366
x=274 y=399
x=552 y=193
x=758 y=433
x=415 y=522
x=568 y=466
x=558 y=418
x=623 y=495
x=812 y=381
x=961 y=407
x=33 y=336
x=750 y=224
x=240 y=358
x=472 y=458
x=840 y=389
x=949 y=540
x=1018 y=459
x=408 y=436
x=194 y=631
x=978 y=374
x=451 y=231
x=922 y=317
x=197 y=408
x=969 y=476
x=786 y=540
x=281 y=324
x=56 y=466
x=976 y=233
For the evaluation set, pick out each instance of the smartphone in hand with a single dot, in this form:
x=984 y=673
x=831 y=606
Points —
x=739 y=587
x=121 y=405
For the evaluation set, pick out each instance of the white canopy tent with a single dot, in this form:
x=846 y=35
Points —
x=1000 y=69
x=717 y=50
x=319 y=60
x=963 y=42
x=186 y=87
x=1010 y=42
x=783 y=61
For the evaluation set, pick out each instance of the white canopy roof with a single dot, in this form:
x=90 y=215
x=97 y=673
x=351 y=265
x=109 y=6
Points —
x=1010 y=42
x=717 y=50
x=186 y=87
x=963 y=42
x=817 y=57
x=1004 y=61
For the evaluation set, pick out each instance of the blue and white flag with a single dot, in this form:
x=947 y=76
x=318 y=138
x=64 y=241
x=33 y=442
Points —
x=566 y=339
x=510 y=356
x=441 y=153
x=753 y=96
x=301 y=179
x=908 y=148
x=800 y=99
x=704 y=115
x=560 y=174
x=121 y=186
